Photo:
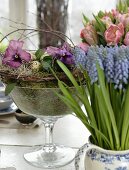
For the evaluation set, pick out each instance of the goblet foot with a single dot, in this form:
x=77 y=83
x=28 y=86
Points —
x=59 y=157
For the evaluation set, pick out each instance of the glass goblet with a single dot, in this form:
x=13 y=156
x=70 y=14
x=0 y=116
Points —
x=43 y=103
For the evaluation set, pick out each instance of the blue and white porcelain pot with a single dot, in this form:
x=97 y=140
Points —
x=97 y=158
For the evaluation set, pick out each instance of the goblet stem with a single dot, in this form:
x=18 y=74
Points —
x=49 y=145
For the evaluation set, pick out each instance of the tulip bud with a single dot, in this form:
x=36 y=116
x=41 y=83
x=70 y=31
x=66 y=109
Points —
x=89 y=34
x=126 y=40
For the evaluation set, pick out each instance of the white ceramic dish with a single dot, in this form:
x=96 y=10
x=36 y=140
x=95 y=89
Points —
x=9 y=110
x=5 y=102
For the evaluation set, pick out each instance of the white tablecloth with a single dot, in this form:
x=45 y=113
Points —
x=16 y=139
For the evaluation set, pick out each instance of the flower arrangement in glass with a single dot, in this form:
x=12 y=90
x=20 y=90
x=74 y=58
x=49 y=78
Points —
x=23 y=65
x=104 y=62
x=32 y=85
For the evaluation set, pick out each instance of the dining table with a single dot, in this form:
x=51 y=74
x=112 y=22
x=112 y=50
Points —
x=17 y=139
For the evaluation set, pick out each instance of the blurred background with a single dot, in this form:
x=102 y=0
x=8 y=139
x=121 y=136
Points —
x=61 y=15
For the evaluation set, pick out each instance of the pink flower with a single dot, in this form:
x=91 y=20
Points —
x=126 y=40
x=14 y=55
x=114 y=33
x=107 y=20
x=115 y=13
x=89 y=34
x=83 y=46
x=124 y=19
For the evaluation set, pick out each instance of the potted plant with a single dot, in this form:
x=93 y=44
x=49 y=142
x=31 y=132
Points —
x=30 y=80
x=105 y=66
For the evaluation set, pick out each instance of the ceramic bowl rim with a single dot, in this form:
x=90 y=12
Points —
x=106 y=151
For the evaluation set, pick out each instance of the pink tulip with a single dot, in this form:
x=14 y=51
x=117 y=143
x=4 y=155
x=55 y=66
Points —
x=115 y=13
x=83 y=46
x=121 y=28
x=124 y=19
x=126 y=40
x=114 y=33
x=89 y=34
x=107 y=20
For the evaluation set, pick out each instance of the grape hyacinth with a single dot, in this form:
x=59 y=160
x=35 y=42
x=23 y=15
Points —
x=80 y=56
x=113 y=60
x=109 y=67
x=121 y=67
x=93 y=57
x=88 y=61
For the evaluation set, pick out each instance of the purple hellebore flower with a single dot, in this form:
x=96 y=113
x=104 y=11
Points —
x=63 y=54
x=14 y=55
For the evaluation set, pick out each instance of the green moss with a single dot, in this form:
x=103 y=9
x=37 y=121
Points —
x=49 y=84
x=35 y=84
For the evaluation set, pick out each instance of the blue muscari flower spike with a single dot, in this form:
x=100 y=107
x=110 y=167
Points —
x=109 y=66
x=79 y=57
x=121 y=67
x=113 y=60
x=93 y=56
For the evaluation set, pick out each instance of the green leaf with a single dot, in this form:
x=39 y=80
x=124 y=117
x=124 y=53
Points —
x=101 y=14
x=3 y=48
x=108 y=104
x=123 y=6
x=9 y=88
x=67 y=93
x=85 y=20
x=46 y=63
x=126 y=120
x=105 y=119
x=69 y=75
x=127 y=2
x=84 y=99
x=76 y=108
x=87 y=80
x=39 y=54
x=99 y=24
x=81 y=93
x=101 y=34
x=127 y=141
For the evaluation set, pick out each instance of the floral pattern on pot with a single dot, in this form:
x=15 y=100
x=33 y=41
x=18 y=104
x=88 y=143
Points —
x=119 y=168
x=97 y=158
x=107 y=158
x=101 y=159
